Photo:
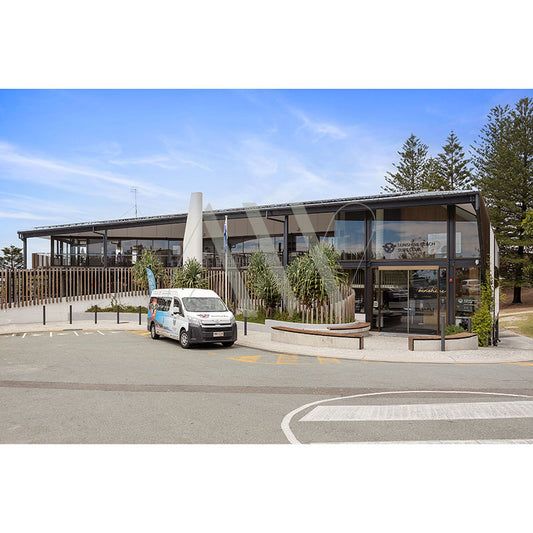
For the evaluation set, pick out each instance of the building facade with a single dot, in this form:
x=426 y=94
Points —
x=410 y=258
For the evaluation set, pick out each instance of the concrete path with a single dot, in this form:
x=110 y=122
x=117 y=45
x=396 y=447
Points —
x=383 y=347
x=378 y=346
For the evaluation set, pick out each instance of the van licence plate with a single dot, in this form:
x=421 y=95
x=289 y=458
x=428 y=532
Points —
x=218 y=333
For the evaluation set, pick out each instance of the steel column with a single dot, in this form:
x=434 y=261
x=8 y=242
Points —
x=451 y=264
x=105 y=248
x=24 y=253
x=286 y=241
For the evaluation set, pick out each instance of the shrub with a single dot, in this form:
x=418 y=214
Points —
x=192 y=275
x=482 y=319
x=150 y=260
x=452 y=329
x=263 y=282
x=315 y=275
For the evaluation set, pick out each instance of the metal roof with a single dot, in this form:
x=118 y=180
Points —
x=389 y=199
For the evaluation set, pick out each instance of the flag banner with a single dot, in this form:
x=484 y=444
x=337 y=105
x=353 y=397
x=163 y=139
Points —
x=226 y=234
x=151 y=280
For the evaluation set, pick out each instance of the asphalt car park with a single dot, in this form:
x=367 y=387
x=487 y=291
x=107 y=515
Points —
x=105 y=386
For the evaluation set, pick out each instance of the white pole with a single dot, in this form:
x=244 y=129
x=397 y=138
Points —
x=226 y=256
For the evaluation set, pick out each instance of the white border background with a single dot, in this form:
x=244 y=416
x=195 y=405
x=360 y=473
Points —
x=275 y=44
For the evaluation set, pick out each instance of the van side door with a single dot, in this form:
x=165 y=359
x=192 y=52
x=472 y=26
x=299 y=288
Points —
x=178 y=317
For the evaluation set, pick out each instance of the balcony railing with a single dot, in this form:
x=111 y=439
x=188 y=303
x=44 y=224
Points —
x=211 y=260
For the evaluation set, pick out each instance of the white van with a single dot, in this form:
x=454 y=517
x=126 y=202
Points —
x=190 y=316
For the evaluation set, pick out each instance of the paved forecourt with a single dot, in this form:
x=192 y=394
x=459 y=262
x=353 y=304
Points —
x=107 y=386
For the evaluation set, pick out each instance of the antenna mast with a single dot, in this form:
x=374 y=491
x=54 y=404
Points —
x=134 y=191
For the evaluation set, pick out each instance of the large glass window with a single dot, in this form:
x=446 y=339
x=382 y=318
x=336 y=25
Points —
x=349 y=239
x=467 y=290
x=467 y=235
x=302 y=243
x=356 y=280
x=175 y=253
x=410 y=233
x=250 y=246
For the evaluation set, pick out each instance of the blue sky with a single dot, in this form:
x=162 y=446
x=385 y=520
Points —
x=73 y=155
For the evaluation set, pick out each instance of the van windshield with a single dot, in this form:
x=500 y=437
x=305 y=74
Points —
x=199 y=305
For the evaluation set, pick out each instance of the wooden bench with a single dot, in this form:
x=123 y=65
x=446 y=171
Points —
x=362 y=326
x=433 y=338
x=317 y=334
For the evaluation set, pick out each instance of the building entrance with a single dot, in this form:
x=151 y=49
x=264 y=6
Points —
x=407 y=300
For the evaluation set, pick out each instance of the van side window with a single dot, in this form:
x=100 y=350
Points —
x=177 y=305
x=164 y=304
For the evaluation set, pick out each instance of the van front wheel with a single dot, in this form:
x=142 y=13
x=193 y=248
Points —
x=153 y=334
x=184 y=339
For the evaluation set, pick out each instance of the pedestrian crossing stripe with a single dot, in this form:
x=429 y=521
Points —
x=429 y=411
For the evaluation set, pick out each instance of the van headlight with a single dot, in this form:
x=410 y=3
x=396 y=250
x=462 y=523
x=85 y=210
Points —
x=232 y=320
x=195 y=321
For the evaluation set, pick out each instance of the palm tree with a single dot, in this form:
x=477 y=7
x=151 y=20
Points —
x=191 y=276
x=316 y=275
x=263 y=282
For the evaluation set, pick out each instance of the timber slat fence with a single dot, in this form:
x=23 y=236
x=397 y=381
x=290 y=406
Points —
x=39 y=286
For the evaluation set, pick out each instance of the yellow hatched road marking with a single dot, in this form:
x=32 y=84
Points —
x=327 y=360
x=247 y=358
x=287 y=359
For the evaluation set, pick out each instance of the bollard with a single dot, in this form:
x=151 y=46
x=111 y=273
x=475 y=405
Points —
x=95 y=314
x=118 y=314
x=442 y=333
x=70 y=314
x=44 y=315
x=469 y=322
x=245 y=322
x=139 y=315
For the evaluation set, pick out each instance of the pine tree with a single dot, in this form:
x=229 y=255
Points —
x=452 y=166
x=433 y=180
x=503 y=161
x=12 y=258
x=412 y=170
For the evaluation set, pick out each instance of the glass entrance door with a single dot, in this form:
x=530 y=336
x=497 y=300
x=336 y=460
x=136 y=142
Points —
x=407 y=300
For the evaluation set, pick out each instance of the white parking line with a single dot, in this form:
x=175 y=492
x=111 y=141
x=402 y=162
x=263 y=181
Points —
x=75 y=333
x=50 y=334
x=99 y=332
x=24 y=335
x=430 y=411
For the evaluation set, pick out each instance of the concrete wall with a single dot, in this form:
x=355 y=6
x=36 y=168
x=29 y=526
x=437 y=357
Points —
x=290 y=337
x=193 y=238
x=452 y=345
x=299 y=325
x=59 y=312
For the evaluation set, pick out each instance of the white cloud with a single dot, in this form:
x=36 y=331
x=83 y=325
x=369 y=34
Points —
x=20 y=215
x=320 y=129
x=60 y=174
x=173 y=160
